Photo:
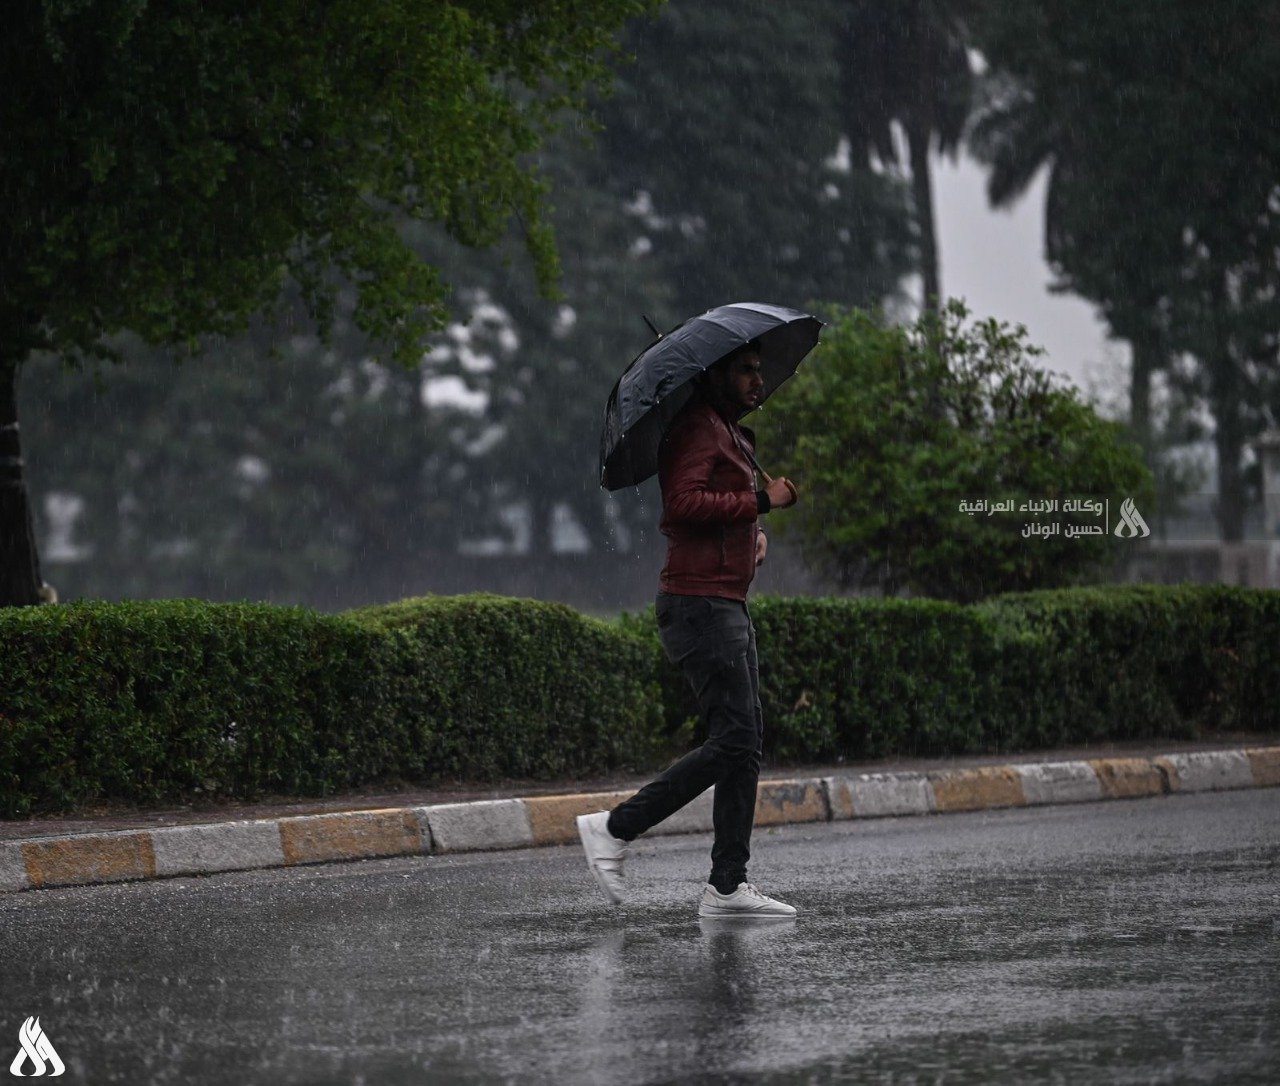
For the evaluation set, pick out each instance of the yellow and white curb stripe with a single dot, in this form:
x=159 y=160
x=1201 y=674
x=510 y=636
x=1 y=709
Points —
x=80 y=859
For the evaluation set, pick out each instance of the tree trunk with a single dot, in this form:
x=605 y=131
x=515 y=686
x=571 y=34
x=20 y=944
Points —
x=19 y=564
x=1228 y=440
x=541 y=510
x=922 y=191
x=1230 y=485
x=1148 y=357
x=1225 y=395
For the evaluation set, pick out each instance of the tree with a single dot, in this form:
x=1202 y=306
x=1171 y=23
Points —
x=1173 y=441
x=167 y=171
x=535 y=443
x=890 y=431
x=1154 y=121
x=1068 y=124
x=909 y=63
x=546 y=369
x=277 y=468
x=284 y=468
x=722 y=138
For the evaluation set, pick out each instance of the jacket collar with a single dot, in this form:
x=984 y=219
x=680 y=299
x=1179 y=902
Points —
x=708 y=409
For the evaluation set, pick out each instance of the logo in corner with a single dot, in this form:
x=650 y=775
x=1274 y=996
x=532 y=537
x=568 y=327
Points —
x=37 y=1050
x=1131 y=525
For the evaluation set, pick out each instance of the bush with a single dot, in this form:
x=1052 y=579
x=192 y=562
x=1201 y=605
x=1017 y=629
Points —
x=160 y=702
x=168 y=701
x=165 y=702
x=869 y=678
x=499 y=687
x=1136 y=662
x=888 y=430
x=845 y=679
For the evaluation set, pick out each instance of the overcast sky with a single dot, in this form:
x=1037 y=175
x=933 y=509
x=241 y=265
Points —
x=995 y=261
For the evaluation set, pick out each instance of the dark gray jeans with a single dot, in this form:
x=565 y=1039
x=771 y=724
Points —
x=714 y=643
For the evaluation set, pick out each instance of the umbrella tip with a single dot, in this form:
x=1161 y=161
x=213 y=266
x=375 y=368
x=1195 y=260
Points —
x=652 y=327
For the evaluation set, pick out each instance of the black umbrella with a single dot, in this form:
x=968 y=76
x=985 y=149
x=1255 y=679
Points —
x=654 y=388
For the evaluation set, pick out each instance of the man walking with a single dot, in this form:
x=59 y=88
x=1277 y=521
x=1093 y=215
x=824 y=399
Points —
x=710 y=510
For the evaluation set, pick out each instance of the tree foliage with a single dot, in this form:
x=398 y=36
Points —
x=280 y=465
x=1163 y=207
x=722 y=137
x=908 y=63
x=891 y=428
x=167 y=168
x=540 y=367
x=337 y=435
x=277 y=468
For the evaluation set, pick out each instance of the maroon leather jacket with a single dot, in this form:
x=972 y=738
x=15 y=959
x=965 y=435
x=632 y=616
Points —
x=709 y=505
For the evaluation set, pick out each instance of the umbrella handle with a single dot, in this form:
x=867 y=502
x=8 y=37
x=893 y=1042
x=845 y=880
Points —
x=795 y=495
x=768 y=480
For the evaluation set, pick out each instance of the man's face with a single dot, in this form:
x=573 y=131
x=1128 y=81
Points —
x=742 y=384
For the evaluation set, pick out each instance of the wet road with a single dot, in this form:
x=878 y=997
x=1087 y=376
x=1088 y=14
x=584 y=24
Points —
x=1122 y=942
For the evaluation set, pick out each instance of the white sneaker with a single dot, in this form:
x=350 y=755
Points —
x=605 y=854
x=746 y=900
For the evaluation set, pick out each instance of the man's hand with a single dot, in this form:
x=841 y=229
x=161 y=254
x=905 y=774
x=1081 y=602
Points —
x=762 y=545
x=781 y=493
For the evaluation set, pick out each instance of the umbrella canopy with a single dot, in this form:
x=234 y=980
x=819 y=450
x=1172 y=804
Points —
x=653 y=389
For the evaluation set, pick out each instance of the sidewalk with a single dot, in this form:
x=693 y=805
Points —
x=115 y=844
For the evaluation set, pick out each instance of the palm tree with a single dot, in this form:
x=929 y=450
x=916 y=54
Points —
x=907 y=62
x=1117 y=263
x=1152 y=119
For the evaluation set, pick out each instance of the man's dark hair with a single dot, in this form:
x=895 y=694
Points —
x=752 y=347
x=703 y=380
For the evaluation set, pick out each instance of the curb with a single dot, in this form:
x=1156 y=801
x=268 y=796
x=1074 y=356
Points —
x=117 y=856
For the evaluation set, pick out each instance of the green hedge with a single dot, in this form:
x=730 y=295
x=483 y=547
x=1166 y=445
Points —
x=1136 y=662
x=159 y=702
x=502 y=687
x=165 y=702
x=863 y=678
x=844 y=678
